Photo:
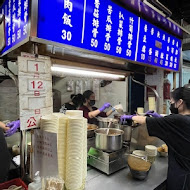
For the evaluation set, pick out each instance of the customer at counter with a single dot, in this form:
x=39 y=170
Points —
x=90 y=112
x=5 y=158
x=174 y=130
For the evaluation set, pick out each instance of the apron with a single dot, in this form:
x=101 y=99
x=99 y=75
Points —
x=178 y=178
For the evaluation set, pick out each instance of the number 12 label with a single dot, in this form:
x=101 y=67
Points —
x=36 y=85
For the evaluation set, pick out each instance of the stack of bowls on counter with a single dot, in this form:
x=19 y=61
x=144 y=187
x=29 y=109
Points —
x=71 y=132
x=151 y=152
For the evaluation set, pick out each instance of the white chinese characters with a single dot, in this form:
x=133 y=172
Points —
x=67 y=20
x=95 y=24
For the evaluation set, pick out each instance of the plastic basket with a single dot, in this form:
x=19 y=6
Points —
x=17 y=182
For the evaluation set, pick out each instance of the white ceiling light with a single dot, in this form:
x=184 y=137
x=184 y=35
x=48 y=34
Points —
x=77 y=72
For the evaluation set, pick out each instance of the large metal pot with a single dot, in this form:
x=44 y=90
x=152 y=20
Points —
x=109 y=142
x=108 y=122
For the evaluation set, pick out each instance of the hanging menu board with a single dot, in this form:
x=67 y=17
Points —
x=16 y=14
x=104 y=27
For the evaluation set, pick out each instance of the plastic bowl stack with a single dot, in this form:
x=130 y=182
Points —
x=71 y=132
x=74 y=157
x=151 y=152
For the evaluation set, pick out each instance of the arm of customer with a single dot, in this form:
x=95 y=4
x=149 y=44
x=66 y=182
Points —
x=3 y=126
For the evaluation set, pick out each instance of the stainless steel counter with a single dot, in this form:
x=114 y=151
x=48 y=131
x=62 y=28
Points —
x=122 y=180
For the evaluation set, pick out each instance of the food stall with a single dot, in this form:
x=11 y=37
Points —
x=100 y=38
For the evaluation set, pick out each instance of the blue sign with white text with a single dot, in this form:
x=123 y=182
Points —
x=16 y=21
x=104 y=27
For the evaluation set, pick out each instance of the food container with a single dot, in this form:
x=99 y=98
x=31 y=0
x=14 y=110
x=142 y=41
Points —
x=139 y=167
x=140 y=153
x=109 y=142
x=127 y=132
x=18 y=182
x=90 y=130
x=140 y=175
x=163 y=150
x=151 y=152
x=108 y=122
x=163 y=154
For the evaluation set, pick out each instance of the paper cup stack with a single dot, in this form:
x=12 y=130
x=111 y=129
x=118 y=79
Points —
x=151 y=152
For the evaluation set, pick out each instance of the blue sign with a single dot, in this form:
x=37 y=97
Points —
x=103 y=26
x=157 y=48
x=16 y=21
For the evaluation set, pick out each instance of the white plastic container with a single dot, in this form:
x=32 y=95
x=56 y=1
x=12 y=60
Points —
x=36 y=184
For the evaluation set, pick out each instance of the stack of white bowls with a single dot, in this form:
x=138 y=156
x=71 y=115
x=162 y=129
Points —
x=61 y=145
x=49 y=123
x=74 y=155
x=74 y=113
x=151 y=152
x=71 y=132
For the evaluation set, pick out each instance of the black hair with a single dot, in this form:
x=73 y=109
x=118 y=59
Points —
x=87 y=94
x=182 y=93
x=77 y=99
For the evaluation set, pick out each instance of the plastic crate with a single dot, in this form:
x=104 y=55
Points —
x=17 y=182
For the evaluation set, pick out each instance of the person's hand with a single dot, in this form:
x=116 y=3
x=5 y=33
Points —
x=14 y=125
x=123 y=118
x=106 y=105
x=152 y=113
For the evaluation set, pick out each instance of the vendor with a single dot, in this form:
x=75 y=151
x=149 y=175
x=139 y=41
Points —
x=174 y=130
x=89 y=111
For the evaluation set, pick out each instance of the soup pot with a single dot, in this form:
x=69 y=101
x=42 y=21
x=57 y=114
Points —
x=109 y=139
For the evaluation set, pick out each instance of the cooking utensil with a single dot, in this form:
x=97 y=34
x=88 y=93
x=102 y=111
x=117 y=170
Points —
x=109 y=142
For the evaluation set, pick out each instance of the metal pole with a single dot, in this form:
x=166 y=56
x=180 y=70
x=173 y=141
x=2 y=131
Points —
x=181 y=63
x=23 y=153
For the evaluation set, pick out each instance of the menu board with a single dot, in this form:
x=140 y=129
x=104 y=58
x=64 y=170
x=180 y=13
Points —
x=158 y=48
x=104 y=27
x=16 y=21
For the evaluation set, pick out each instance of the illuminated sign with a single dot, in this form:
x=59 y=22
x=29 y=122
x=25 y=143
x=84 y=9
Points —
x=16 y=14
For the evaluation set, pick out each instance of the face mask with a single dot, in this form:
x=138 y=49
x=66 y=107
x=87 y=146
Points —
x=92 y=102
x=173 y=109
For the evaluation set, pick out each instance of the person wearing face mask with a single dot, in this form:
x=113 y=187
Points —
x=174 y=130
x=90 y=111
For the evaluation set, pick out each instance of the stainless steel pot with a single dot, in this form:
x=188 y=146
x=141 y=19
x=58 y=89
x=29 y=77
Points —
x=110 y=142
x=108 y=122
x=127 y=132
